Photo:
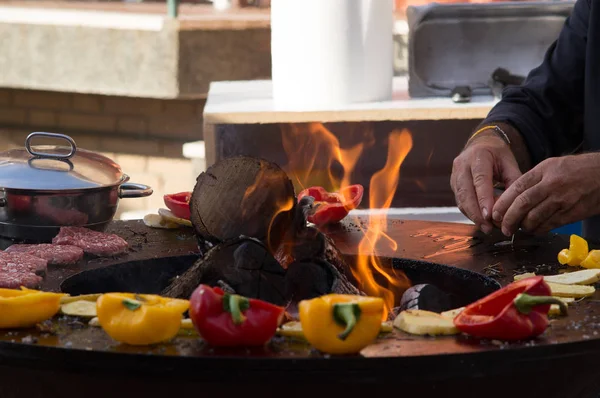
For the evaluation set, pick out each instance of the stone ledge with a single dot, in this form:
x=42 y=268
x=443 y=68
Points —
x=120 y=52
x=123 y=54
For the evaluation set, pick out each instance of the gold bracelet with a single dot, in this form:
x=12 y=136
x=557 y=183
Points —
x=497 y=129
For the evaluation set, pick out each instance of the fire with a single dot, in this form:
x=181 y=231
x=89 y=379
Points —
x=382 y=187
x=313 y=152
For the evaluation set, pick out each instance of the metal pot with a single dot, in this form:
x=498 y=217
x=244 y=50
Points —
x=49 y=186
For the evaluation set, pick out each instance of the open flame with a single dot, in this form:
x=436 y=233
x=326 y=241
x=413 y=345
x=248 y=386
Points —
x=313 y=151
x=382 y=187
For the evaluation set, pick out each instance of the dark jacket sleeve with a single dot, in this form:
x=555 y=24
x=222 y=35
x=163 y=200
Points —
x=549 y=104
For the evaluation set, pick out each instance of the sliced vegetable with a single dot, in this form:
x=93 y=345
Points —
x=82 y=308
x=87 y=297
x=158 y=221
x=25 y=308
x=425 y=323
x=340 y=323
x=224 y=319
x=592 y=260
x=584 y=277
x=576 y=253
x=555 y=308
x=294 y=329
x=140 y=319
x=179 y=204
x=291 y=329
x=387 y=327
x=330 y=208
x=576 y=291
x=167 y=215
x=94 y=322
x=452 y=313
x=516 y=312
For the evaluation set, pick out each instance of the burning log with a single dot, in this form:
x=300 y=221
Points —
x=243 y=264
x=242 y=196
x=262 y=245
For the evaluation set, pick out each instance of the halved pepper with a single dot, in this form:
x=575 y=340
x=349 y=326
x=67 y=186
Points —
x=592 y=260
x=518 y=311
x=140 y=319
x=25 y=308
x=330 y=208
x=230 y=320
x=576 y=253
x=340 y=323
x=179 y=204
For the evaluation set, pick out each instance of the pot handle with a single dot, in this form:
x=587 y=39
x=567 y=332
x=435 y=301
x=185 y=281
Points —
x=50 y=155
x=132 y=190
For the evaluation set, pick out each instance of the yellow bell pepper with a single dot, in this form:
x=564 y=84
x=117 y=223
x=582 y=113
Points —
x=340 y=323
x=576 y=253
x=140 y=319
x=25 y=308
x=592 y=260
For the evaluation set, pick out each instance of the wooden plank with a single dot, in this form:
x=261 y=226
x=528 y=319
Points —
x=247 y=102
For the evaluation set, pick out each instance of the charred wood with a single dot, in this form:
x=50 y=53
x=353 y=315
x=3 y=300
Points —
x=243 y=196
x=243 y=265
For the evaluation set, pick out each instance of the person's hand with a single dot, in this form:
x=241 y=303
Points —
x=556 y=192
x=485 y=160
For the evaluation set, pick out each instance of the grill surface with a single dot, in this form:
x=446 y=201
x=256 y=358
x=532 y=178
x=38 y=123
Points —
x=74 y=360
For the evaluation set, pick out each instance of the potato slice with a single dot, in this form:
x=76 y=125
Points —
x=291 y=329
x=425 y=323
x=168 y=216
x=452 y=313
x=555 y=309
x=187 y=324
x=158 y=221
x=584 y=277
x=80 y=308
x=294 y=329
x=523 y=276
x=576 y=291
x=83 y=297
x=387 y=327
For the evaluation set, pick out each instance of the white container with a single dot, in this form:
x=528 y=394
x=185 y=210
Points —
x=330 y=53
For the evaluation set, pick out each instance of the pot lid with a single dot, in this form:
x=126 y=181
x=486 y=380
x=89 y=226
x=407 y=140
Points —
x=54 y=167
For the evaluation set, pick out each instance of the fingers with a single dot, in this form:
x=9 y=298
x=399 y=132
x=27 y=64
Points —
x=482 y=171
x=466 y=199
x=522 y=206
x=514 y=191
x=509 y=170
x=541 y=218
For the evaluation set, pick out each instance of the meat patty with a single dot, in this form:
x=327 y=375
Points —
x=23 y=261
x=54 y=254
x=11 y=278
x=93 y=242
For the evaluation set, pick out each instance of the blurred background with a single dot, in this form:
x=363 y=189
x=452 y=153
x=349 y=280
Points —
x=130 y=78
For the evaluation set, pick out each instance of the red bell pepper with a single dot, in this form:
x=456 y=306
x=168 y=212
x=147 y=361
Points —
x=229 y=320
x=518 y=311
x=179 y=204
x=330 y=208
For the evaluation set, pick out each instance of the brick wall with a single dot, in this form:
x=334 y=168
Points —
x=144 y=136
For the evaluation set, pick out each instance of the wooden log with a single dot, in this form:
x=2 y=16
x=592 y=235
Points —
x=243 y=196
x=243 y=264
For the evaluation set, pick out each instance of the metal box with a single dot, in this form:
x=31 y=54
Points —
x=461 y=45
